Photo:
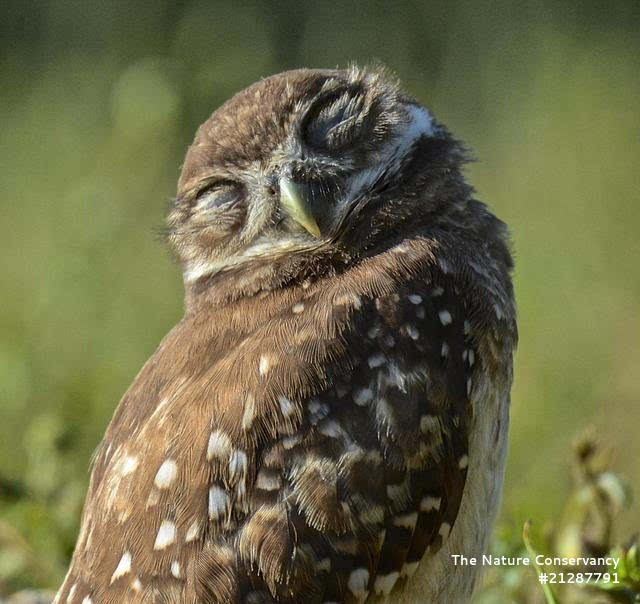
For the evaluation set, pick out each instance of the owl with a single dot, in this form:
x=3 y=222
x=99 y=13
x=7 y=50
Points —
x=328 y=421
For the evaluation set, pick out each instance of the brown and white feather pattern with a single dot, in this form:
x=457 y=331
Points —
x=327 y=423
x=319 y=448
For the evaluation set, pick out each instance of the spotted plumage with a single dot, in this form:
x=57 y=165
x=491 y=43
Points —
x=328 y=420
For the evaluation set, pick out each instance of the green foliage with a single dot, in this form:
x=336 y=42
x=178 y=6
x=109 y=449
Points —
x=99 y=101
x=584 y=529
x=549 y=595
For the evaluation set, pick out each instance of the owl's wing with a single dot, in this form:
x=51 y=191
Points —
x=346 y=506
x=308 y=448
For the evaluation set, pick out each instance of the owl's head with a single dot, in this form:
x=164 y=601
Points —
x=306 y=167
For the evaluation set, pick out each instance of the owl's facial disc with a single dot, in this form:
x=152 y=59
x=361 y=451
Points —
x=288 y=166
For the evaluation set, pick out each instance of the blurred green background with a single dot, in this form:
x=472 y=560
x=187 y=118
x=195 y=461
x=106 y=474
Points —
x=99 y=101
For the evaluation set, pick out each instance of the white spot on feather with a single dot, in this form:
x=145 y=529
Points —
x=409 y=569
x=445 y=317
x=264 y=365
x=463 y=462
x=358 y=581
x=444 y=530
x=166 y=474
x=124 y=566
x=129 y=464
x=348 y=300
x=429 y=504
x=219 y=445
x=237 y=465
x=397 y=493
x=362 y=396
x=218 y=502
x=407 y=521
x=166 y=535
x=175 y=569
x=412 y=332
x=323 y=566
x=376 y=360
x=193 y=531
x=330 y=428
x=249 y=411
x=268 y=482
x=415 y=298
x=286 y=406
x=384 y=583
x=298 y=308
x=288 y=442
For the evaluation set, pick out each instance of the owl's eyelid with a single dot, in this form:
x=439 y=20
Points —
x=321 y=102
x=211 y=184
x=231 y=190
x=215 y=185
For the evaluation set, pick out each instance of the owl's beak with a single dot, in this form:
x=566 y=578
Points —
x=294 y=203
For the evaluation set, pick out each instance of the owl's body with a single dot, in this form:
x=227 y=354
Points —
x=328 y=421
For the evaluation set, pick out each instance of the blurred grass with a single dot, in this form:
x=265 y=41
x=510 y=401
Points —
x=98 y=105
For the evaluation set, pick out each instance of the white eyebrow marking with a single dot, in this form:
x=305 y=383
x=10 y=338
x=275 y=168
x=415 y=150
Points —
x=420 y=124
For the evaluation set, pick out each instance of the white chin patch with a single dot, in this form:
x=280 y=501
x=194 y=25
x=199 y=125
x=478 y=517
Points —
x=262 y=248
x=420 y=124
